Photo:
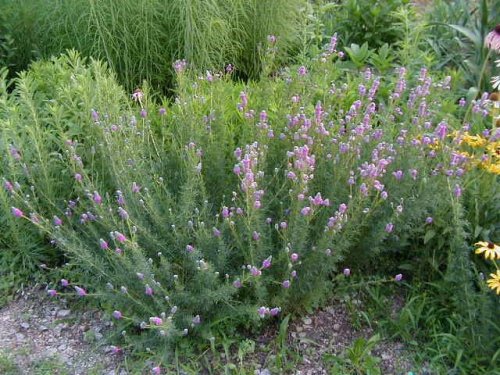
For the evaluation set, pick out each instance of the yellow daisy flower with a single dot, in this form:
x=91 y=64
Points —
x=494 y=168
x=474 y=140
x=490 y=250
x=494 y=282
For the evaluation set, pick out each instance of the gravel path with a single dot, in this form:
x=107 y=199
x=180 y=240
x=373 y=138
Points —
x=42 y=335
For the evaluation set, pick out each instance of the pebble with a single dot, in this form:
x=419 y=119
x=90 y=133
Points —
x=336 y=327
x=24 y=325
x=307 y=321
x=63 y=313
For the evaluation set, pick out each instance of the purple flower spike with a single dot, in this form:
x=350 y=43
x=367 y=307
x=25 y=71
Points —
x=347 y=272
x=57 y=221
x=17 y=212
x=275 y=311
x=64 y=283
x=389 y=227
x=117 y=314
x=78 y=177
x=103 y=244
x=80 y=291
x=97 y=198
x=398 y=277
x=237 y=283
x=196 y=320
x=120 y=237
x=156 y=370
x=294 y=257
x=52 y=292
x=429 y=220
x=286 y=284
x=189 y=248
x=267 y=262
x=148 y=290
x=162 y=111
x=156 y=321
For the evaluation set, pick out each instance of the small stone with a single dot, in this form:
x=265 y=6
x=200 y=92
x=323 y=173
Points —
x=43 y=328
x=307 y=321
x=19 y=337
x=336 y=327
x=24 y=325
x=299 y=329
x=63 y=313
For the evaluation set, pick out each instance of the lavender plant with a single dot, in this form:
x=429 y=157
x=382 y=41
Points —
x=236 y=203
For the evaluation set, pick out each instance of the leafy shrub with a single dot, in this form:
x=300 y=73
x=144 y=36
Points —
x=237 y=202
x=362 y=21
x=140 y=39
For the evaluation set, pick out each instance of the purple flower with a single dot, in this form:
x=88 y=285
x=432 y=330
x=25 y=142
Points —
x=429 y=220
x=162 y=111
x=441 y=130
x=283 y=225
x=196 y=320
x=80 y=291
x=52 y=292
x=457 y=191
x=255 y=271
x=275 y=311
x=123 y=214
x=64 y=283
x=8 y=186
x=398 y=175
x=135 y=188
x=17 y=212
x=103 y=244
x=157 y=321
x=302 y=71
x=117 y=314
x=237 y=283
x=78 y=177
x=286 y=284
x=148 y=290
x=294 y=257
x=57 y=221
x=389 y=227
x=271 y=39
x=347 y=272
x=157 y=369
x=97 y=198
x=306 y=211
x=266 y=263
x=398 y=277
x=120 y=237
x=189 y=248
x=216 y=232
x=262 y=311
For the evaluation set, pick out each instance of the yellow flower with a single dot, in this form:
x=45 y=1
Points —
x=493 y=168
x=490 y=250
x=494 y=149
x=474 y=140
x=494 y=282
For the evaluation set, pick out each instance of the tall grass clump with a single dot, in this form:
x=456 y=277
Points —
x=237 y=203
x=140 y=39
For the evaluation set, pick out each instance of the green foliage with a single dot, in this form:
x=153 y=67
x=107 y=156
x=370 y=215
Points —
x=235 y=200
x=140 y=39
x=357 y=359
x=362 y=21
x=459 y=42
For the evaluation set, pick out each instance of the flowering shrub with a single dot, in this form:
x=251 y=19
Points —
x=235 y=204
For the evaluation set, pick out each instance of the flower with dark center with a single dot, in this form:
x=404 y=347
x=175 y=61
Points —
x=492 y=40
